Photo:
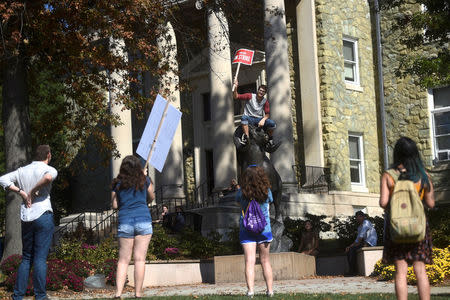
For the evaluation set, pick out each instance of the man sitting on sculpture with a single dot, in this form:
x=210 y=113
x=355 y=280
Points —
x=256 y=112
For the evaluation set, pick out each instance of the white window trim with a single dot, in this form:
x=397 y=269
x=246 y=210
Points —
x=431 y=111
x=355 y=63
x=361 y=186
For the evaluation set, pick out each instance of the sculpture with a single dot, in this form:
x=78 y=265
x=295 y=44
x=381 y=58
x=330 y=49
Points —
x=254 y=153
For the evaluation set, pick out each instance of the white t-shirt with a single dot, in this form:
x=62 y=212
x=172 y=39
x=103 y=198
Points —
x=26 y=178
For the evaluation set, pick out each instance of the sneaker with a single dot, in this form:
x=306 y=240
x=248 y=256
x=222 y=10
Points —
x=250 y=294
x=269 y=294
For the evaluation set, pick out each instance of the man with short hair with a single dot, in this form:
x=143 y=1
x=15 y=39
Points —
x=33 y=182
x=366 y=237
x=256 y=112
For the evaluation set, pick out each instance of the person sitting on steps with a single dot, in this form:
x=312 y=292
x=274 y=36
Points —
x=256 y=112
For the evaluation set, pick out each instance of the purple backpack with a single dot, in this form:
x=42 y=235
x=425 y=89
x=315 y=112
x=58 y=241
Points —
x=254 y=220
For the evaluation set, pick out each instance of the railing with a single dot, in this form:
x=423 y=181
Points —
x=107 y=227
x=201 y=197
x=96 y=224
x=312 y=179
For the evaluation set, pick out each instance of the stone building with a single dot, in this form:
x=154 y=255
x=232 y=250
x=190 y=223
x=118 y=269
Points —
x=319 y=61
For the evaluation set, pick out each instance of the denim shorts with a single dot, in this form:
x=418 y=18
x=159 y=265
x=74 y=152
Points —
x=131 y=227
x=246 y=237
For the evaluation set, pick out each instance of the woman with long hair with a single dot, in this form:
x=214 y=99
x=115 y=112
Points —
x=408 y=165
x=255 y=185
x=130 y=191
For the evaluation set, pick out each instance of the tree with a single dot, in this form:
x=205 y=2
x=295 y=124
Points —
x=426 y=31
x=76 y=42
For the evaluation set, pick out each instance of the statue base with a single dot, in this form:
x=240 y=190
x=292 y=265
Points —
x=280 y=243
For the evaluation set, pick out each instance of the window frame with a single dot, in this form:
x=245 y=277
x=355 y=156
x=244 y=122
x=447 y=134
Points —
x=432 y=111
x=362 y=173
x=355 y=63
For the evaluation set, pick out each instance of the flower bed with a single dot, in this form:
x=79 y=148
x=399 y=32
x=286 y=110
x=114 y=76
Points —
x=436 y=272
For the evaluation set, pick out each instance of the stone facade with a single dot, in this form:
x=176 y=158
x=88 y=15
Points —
x=295 y=83
x=347 y=109
x=405 y=102
x=407 y=110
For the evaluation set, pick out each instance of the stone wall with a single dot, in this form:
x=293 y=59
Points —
x=406 y=103
x=346 y=109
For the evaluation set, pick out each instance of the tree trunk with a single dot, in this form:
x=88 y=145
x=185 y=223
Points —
x=16 y=125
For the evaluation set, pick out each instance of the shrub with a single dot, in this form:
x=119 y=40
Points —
x=11 y=264
x=441 y=258
x=61 y=273
x=160 y=241
x=293 y=228
x=346 y=228
x=190 y=244
x=109 y=269
x=436 y=272
x=74 y=282
x=74 y=250
x=439 y=220
x=81 y=268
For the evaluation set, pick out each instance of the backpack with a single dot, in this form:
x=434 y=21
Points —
x=407 y=215
x=253 y=219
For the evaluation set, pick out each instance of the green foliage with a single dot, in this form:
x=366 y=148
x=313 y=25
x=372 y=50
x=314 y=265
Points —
x=190 y=244
x=294 y=228
x=160 y=241
x=439 y=220
x=71 y=249
x=426 y=33
x=346 y=229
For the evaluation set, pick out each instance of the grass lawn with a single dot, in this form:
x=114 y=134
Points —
x=304 y=297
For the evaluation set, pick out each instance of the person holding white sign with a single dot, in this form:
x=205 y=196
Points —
x=130 y=191
x=256 y=112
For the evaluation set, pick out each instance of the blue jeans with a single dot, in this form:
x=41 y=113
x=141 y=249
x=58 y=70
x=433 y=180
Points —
x=269 y=124
x=36 y=240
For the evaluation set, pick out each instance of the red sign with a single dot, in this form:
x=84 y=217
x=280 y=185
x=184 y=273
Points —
x=244 y=56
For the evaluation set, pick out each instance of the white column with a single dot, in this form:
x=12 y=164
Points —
x=221 y=99
x=278 y=84
x=309 y=87
x=122 y=134
x=172 y=175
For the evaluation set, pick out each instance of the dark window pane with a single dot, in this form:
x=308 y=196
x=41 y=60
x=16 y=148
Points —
x=353 y=144
x=443 y=142
x=206 y=106
x=354 y=172
x=442 y=123
x=349 y=72
x=441 y=97
x=348 y=51
x=443 y=155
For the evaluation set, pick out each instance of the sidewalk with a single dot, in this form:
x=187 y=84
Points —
x=322 y=285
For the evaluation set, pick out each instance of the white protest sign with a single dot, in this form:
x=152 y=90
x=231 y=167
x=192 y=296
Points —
x=159 y=132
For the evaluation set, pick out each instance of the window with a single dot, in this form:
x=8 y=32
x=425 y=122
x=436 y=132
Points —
x=351 y=67
x=206 y=107
x=209 y=158
x=440 y=119
x=355 y=144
